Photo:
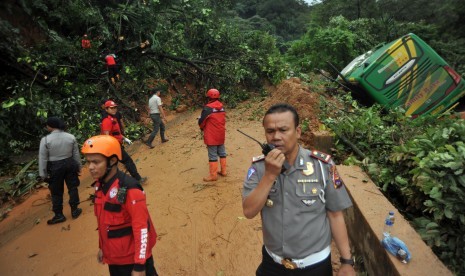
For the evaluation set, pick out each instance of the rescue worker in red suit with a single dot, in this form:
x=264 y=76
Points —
x=111 y=126
x=85 y=42
x=126 y=231
x=212 y=122
x=112 y=67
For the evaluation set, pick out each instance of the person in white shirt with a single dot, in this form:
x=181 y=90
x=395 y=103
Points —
x=158 y=116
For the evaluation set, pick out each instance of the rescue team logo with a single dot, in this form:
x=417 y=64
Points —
x=143 y=242
x=113 y=192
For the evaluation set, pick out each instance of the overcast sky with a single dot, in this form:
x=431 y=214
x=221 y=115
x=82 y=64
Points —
x=311 y=1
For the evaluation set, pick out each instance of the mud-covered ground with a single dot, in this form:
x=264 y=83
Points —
x=201 y=227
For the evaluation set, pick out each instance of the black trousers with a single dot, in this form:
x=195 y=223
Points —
x=62 y=171
x=269 y=267
x=129 y=164
x=125 y=270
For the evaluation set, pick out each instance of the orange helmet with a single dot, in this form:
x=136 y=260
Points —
x=213 y=93
x=106 y=145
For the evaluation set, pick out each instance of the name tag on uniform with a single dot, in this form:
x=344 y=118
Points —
x=307 y=180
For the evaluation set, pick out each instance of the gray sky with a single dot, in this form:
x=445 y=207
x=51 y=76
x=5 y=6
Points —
x=311 y=1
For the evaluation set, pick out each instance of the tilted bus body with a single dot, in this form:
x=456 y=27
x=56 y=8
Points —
x=408 y=73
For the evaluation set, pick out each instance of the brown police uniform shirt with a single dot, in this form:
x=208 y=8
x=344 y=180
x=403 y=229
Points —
x=296 y=225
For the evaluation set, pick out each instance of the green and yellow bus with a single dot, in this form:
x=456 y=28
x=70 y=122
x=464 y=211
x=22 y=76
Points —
x=406 y=72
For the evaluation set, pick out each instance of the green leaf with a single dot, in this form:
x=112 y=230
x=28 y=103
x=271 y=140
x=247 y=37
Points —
x=448 y=213
x=8 y=104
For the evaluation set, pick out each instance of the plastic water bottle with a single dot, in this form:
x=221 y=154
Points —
x=388 y=224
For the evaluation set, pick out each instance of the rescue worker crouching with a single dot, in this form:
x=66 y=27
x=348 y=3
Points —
x=126 y=231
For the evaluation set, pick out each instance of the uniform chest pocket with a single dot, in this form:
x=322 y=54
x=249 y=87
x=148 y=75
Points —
x=114 y=215
x=307 y=188
x=307 y=193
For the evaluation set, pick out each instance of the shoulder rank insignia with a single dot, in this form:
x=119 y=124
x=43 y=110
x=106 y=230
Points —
x=320 y=156
x=258 y=158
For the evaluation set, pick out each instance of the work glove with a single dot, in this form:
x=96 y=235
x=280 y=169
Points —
x=127 y=140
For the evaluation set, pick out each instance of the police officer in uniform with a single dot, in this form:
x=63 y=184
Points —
x=300 y=198
x=60 y=162
x=126 y=231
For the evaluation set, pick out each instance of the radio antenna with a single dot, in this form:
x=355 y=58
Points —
x=251 y=137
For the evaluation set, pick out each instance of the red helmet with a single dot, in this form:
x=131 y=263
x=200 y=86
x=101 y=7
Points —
x=110 y=103
x=213 y=93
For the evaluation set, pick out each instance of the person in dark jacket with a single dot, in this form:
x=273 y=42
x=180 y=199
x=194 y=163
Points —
x=212 y=122
x=60 y=162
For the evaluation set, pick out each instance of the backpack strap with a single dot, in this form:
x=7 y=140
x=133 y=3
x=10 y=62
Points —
x=125 y=183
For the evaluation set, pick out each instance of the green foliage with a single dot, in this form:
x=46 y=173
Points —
x=23 y=182
x=418 y=163
x=338 y=43
x=283 y=18
x=189 y=42
x=135 y=131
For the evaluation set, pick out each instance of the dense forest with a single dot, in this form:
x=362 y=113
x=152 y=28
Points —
x=237 y=46
x=232 y=45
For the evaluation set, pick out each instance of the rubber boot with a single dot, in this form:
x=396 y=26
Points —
x=213 y=172
x=223 y=166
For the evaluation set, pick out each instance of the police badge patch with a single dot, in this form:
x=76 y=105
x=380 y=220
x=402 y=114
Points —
x=309 y=170
x=250 y=172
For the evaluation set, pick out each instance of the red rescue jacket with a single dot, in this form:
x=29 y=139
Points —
x=110 y=59
x=110 y=123
x=212 y=122
x=85 y=43
x=126 y=231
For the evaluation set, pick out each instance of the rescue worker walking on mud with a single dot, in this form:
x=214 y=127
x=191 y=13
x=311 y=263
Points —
x=212 y=122
x=111 y=126
x=300 y=198
x=60 y=162
x=126 y=231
